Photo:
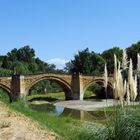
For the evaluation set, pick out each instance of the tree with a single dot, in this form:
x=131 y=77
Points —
x=132 y=53
x=69 y=66
x=21 y=68
x=1 y=60
x=6 y=63
x=108 y=55
x=33 y=67
x=12 y=56
x=25 y=54
x=86 y=62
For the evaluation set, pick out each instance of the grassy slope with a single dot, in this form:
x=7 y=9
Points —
x=64 y=126
x=124 y=125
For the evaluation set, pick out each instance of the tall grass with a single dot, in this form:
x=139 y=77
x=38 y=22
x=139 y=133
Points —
x=123 y=126
x=124 y=60
x=105 y=81
x=138 y=64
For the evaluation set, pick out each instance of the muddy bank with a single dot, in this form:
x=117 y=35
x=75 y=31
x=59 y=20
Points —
x=85 y=105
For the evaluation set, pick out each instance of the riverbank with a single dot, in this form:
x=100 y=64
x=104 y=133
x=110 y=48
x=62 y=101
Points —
x=109 y=127
x=16 y=126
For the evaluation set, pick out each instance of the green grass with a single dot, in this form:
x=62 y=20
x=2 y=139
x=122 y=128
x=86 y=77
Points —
x=88 y=94
x=124 y=125
x=59 y=95
x=4 y=96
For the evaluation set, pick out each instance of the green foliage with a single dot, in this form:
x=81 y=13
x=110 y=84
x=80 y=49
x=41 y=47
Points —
x=46 y=86
x=69 y=66
x=123 y=126
x=42 y=96
x=98 y=90
x=1 y=60
x=21 y=67
x=25 y=54
x=108 y=55
x=4 y=72
x=23 y=61
x=12 y=56
x=86 y=62
x=88 y=94
x=4 y=97
x=132 y=53
x=6 y=64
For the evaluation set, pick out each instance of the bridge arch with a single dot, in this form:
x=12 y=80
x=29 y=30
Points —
x=8 y=91
x=101 y=83
x=64 y=85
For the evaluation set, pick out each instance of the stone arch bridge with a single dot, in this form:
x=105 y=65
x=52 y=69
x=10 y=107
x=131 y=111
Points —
x=74 y=85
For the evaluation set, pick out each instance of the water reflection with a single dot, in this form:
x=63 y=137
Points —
x=76 y=114
x=48 y=108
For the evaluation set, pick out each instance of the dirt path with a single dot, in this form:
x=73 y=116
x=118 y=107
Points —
x=15 y=126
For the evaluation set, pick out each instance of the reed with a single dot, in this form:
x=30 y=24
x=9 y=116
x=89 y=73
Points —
x=105 y=77
x=120 y=87
x=138 y=64
x=115 y=77
x=128 y=95
x=105 y=81
x=124 y=60
x=132 y=82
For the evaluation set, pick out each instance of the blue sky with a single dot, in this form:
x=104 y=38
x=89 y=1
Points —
x=57 y=29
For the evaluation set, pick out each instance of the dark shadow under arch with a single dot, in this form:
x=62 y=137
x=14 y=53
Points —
x=64 y=85
x=101 y=83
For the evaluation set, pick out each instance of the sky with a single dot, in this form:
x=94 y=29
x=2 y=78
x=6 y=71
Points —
x=58 y=29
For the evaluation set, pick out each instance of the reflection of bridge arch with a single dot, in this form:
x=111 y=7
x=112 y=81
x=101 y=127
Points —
x=82 y=115
x=7 y=89
x=64 y=85
x=100 y=81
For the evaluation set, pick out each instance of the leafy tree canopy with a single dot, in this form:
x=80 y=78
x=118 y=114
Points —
x=24 y=61
x=132 y=52
x=86 y=62
x=108 y=56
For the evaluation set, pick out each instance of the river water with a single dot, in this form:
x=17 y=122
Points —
x=51 y=109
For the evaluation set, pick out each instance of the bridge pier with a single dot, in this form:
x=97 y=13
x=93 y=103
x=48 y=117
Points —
x=77 y=87
x=18 y=87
